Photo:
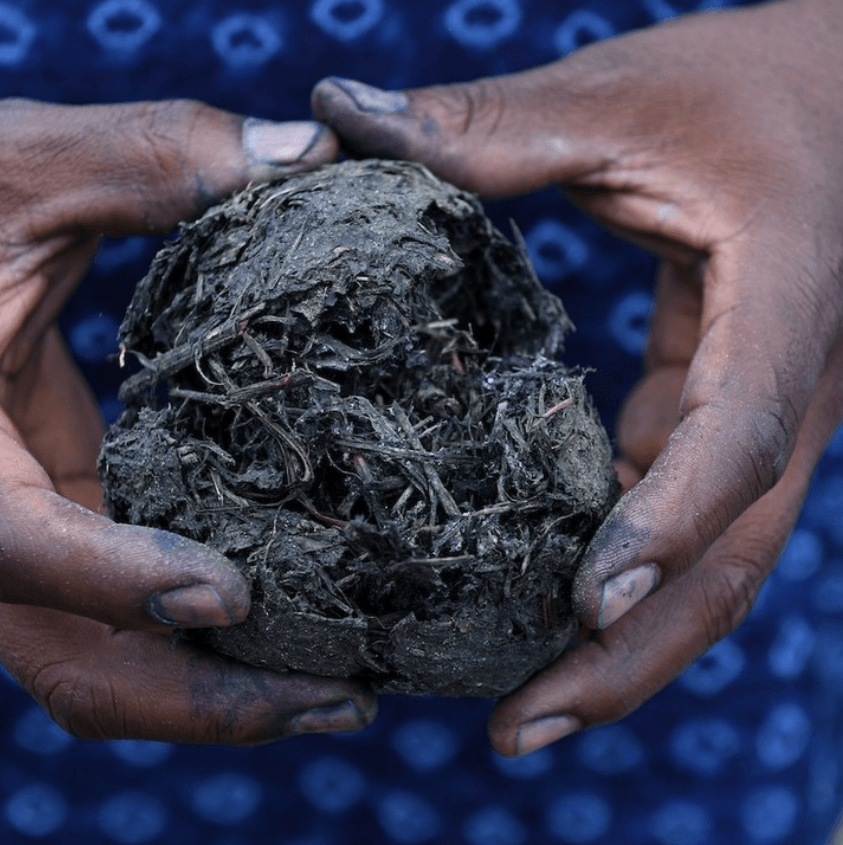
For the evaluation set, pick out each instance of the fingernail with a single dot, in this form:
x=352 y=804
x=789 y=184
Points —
x=267 y=142
x=337 y=717
x=535 y=735
x=370 y=99
x=198 y=606
x=624 y=591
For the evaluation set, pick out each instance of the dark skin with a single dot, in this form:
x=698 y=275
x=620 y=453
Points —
x=86 y=606
x=716 y=141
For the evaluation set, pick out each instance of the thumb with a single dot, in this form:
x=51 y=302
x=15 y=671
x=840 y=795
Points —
x=497 y=137
x=139 y=167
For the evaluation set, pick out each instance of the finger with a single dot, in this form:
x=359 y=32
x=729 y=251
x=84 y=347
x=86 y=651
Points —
x=674 y=330
x=581 y=124
x=651 y=411
x=55 y=553
x=52 y=407
x=131 y=586
x=758 y=361
x=98 y=683
x=499 y=136
x=628 y=474
x=140 y=167
x=610 y=676
x=649 y=416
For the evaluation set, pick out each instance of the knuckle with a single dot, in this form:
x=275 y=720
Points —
x=229 y=704
x=189 y=153
x=771 y=433
x=479 y=107
x=166 y=131
x=729 y=594
x=467 y=116
x=65 y=699
x=613 y=697
x=752 y=451
x=85 y=710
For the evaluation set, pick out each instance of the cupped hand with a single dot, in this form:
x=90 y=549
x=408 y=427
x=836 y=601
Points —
x=87 y=606
x=716 y=141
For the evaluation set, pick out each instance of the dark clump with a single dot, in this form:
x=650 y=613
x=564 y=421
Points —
x=350 y=386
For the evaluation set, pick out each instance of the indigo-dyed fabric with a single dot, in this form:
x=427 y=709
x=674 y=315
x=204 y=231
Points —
x=744 y=748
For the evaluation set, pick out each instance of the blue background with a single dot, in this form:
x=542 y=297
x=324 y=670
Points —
x=745 y=747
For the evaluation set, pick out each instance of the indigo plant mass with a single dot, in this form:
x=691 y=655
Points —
x=351 y=386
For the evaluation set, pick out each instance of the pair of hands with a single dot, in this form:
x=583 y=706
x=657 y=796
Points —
x=714 y=140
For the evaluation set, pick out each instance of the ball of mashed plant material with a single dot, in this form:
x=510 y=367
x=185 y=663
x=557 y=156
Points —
x=351 y=386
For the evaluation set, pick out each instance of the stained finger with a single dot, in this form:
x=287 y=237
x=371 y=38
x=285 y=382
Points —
x=758 y=361
x=141 y=167
x=56 y=553
x=98 y=683
x=608 y=677
x=497 y=136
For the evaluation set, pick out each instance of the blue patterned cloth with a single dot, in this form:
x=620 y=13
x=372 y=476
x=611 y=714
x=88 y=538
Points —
x=745 y=747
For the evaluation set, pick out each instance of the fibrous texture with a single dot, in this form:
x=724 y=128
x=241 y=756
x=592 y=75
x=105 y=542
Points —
x=351 y=386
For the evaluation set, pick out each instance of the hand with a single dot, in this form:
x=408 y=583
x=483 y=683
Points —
x=87 y=605
x=717 y=142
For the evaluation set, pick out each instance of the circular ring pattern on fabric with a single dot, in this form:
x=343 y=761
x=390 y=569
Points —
x=425 y=744
x=482 y=24
x=610 y=750
x=827 y=657
x=346 y=20
x=715 y=670
x=94 y=338
x=681 y=823
x=802 y=556
x=331 y=784
x=18 y=32
x=132 y=818
x=123 y=26
x=36 y=732
x=228 y=798
x=408 y=818
x=629 y=321
x=245 y=40
x=579 y=28
x=494 y=826
x=769 y=813
x=36 y=810
x=792 y=648
x=704 y=746
x=579 y=818
x=828 y=590
x=555 y=250
x=783 y=736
